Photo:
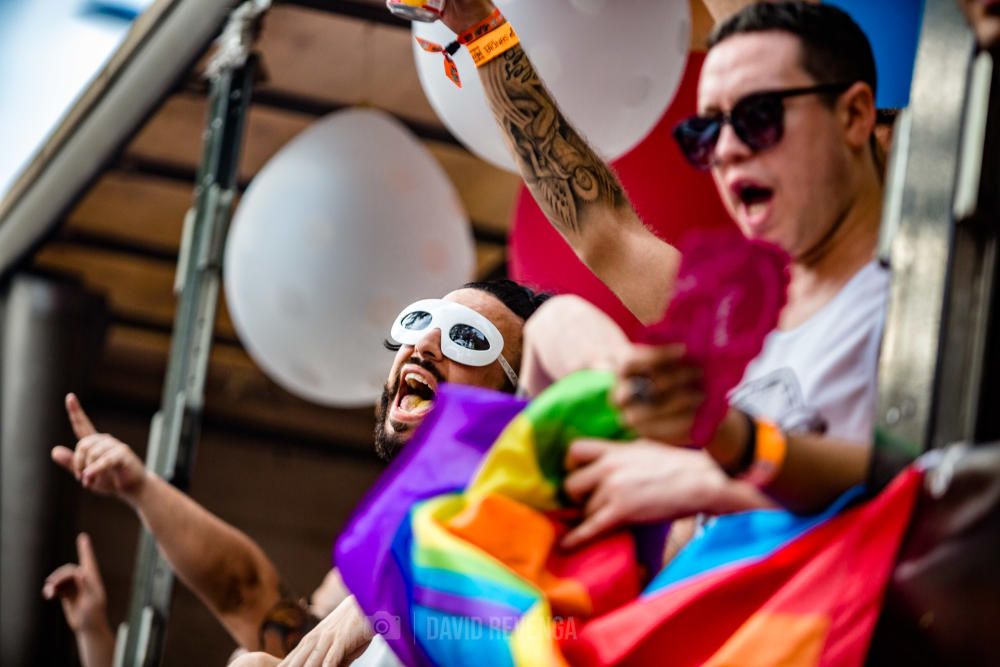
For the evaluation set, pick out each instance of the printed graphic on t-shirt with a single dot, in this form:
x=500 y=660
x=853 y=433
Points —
x=777 y=396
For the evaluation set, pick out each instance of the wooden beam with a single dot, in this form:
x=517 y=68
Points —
x=138 y=280
x=281 y=100
x=132 y=207
x=173 y=138
x=130 y=374
x=492 y=262
x=140 y=169
x=135 y=287
x=141 y=210
x=134 y=247
x=339 y=61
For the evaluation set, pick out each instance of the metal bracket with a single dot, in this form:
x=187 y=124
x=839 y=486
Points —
x=175 y=428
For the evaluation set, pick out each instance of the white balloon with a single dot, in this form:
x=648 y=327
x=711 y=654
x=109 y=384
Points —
x=464 y=110
x=613 y=68
x=347 y=224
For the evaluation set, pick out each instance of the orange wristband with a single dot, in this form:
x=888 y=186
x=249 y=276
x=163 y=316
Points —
x=772 y=447
x=477 y=34
x=492 y=44
x=484 y=27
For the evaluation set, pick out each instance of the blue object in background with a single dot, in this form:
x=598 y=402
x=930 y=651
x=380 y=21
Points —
x=893 y=28
x=127 y=10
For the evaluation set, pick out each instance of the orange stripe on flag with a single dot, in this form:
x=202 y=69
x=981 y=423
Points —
x=791 y=640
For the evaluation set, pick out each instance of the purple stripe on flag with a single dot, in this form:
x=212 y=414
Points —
x=440 y=458
x=489 y=613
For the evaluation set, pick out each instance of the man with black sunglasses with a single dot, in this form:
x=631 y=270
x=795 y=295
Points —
x=471 y=336
x=786 y=114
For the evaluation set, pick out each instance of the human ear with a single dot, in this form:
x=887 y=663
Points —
x=857 y=112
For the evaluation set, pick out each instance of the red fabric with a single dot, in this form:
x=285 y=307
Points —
x=839 y=570
x=670 y=196
x=605 y=569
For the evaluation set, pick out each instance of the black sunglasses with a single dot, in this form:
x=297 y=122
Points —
x=757 y=119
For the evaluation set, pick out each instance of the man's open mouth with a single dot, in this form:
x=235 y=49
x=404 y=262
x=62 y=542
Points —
x=415 y=395
x=754 y=201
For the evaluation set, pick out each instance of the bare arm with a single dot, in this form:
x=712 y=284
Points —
x=576 y=189
x=231 y=575
x=552 y=350
x=578 y=192
x=644 y=481
x=223 y=566
x=816 y=470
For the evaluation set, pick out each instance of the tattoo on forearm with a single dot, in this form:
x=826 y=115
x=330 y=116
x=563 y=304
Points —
x=561 y=170
x=284 y=626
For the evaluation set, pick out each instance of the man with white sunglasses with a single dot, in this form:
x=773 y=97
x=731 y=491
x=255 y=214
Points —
x=471 y=336
x=468 y=337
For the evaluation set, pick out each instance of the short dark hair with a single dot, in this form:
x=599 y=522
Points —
x=522 y=301
x=834 y=48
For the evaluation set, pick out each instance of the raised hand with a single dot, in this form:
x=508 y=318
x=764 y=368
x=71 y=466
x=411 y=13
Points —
x=81 y=592
x=100 y=462
x=461 y=14
x=80 y=589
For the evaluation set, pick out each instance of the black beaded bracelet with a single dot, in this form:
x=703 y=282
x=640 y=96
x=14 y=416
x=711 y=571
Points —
x=749 y=452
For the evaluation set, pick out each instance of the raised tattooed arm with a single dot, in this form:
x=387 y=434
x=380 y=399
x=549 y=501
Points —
x=577 y=190
x=565 y=175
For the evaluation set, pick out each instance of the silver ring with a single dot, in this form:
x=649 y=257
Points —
x=642 y=390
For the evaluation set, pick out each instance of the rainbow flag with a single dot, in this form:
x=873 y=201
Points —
x=454 y=555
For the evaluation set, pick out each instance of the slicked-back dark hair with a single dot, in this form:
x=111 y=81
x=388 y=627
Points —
x=523 y=301
x=834 y=48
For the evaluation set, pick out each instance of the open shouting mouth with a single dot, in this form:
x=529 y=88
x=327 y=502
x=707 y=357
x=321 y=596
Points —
x=753 y=204
x=414 y=396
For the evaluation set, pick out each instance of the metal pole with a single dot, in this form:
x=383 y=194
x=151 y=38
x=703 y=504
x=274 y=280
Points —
x=918 y=239
x=175 y=427
x=974 y=289
x=50 y=332
x=938 y=376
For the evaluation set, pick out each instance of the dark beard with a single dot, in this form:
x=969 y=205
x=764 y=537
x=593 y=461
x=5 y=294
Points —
x=388 y=445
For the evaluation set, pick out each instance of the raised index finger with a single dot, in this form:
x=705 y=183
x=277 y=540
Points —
x=81 y=423
x=85 y=553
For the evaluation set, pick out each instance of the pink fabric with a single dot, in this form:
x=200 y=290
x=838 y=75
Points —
x=728 y=296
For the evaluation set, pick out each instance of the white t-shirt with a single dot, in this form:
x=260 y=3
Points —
x=378 y=654
x=822 y=375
